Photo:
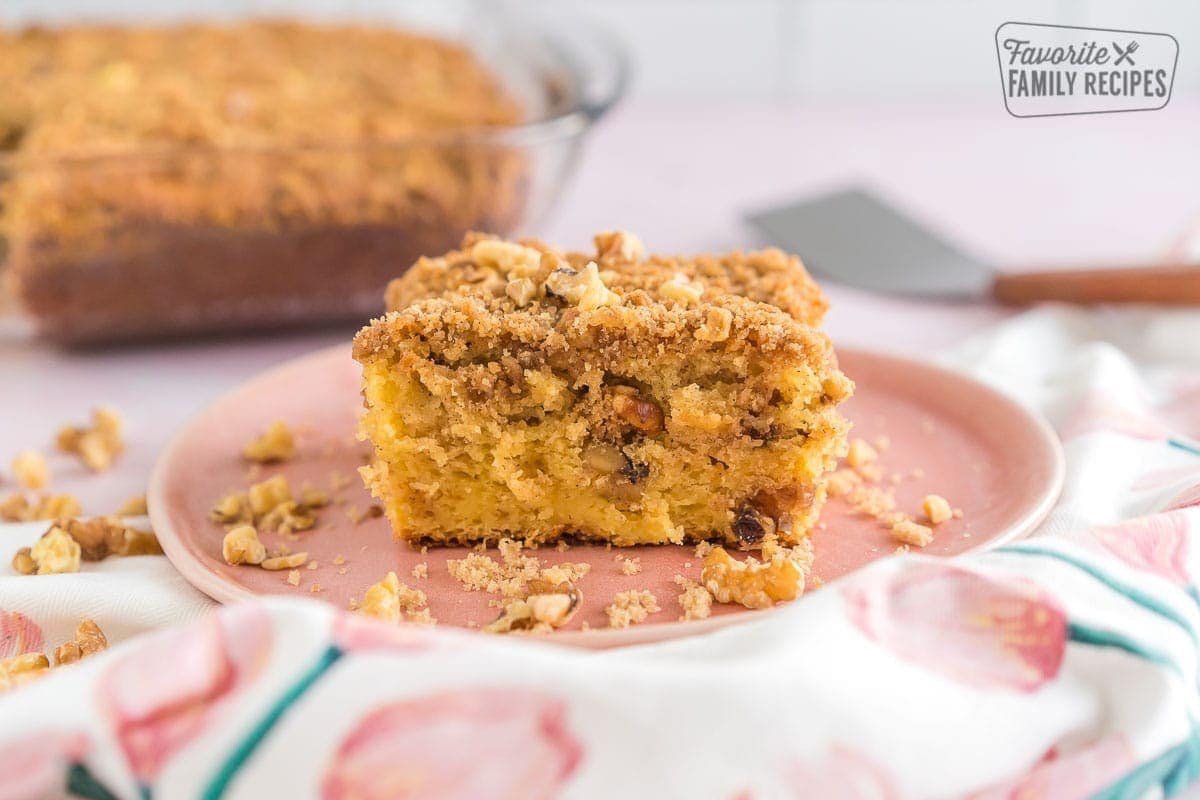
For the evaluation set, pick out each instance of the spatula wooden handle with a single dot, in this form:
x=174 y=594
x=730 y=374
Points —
x=1170 y=285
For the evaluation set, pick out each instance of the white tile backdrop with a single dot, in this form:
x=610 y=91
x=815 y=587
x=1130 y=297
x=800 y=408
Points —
x=794 y=50
x=855 y=49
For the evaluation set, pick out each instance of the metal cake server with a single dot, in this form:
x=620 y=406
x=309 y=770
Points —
x=853 y=237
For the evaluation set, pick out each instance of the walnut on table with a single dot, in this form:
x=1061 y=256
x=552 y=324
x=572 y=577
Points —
x=55 y=553
x=98 y=445
x=19 y=670
x=30 y=470
x=18 y=508
x=88 y=641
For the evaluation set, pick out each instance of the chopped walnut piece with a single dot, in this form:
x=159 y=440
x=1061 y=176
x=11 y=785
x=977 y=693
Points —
x=88 y=641
x=681 y=290
x=21 y=669
x=906 y=531
x=287 y=517
x=522 y=291
x=937 y=509
x=510 y=258
x=549 y=607
x=718 y=323
x=30 y=470
x=393 y=601
x=55 y=553
x=754 y=583
x=17 y=508
x=357 y=517
x=620 y=244
x=630 y=608
x=23 y=563
x=98 y=445
x=313 y=498
x=584 y=289
x=242 y=546
x=232 y=509
x=276 y=444
x=100 y=537
x=133 y=507
x=269 y=505
x=266 y=496
x=695 y=600
x=644 y=415
x=284 y=562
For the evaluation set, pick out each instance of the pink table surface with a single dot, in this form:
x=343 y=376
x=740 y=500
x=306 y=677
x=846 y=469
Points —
x=1018 y=191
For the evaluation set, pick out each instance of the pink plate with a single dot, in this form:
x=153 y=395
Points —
x=998 y=463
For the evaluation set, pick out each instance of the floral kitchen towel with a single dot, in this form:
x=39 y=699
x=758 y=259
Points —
x=1061 y=666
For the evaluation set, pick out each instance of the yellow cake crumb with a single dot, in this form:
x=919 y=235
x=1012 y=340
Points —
x=293 y=577
x=871 y=501
x=631 y=566
x=861 y=453
x=510 y=576
x=907 y=531
x=936 y=508
x=421 y=570
x=631 y=608
x=695 y=600
x=30 y=470
x=842 y=482
x=276 y=444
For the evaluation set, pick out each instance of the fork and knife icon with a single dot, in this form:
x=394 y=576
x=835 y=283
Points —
x=1125 y=55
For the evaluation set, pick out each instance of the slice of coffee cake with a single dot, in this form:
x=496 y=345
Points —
x=514 y=390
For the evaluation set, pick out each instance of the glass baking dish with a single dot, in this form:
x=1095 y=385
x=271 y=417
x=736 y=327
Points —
x=174 y=241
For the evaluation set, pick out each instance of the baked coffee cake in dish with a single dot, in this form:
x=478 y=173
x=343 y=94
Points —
x=513 y=390
x=222 y=176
